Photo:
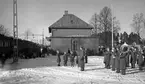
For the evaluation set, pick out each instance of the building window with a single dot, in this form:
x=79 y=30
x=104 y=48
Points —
x=6 y=44
x=1 y=43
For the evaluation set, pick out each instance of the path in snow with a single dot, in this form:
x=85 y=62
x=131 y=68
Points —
x=45 y=71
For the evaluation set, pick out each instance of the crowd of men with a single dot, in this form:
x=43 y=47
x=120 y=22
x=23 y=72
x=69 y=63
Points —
x=122 y=56
x=117 y=59
x=74 y=57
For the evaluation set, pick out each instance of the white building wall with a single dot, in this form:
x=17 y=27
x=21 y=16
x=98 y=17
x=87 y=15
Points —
x=69 y=32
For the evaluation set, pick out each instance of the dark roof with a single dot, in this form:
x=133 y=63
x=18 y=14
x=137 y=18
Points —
x=70 y=21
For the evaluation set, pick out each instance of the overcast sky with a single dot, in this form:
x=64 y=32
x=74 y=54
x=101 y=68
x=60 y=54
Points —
x=38 y=14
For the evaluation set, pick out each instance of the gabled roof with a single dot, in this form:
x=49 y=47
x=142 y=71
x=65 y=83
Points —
x=70 y=21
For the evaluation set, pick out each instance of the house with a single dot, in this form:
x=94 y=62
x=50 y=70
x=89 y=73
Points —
x=71 y=32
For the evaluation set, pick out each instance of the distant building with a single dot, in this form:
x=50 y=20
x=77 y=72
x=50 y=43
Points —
x=71 y=32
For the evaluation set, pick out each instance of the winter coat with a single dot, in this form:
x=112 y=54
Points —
x=58 y=58
x=123 y=60
x=65 y=58
x=81 y=59
x=127 y=58
x=117 y=60
x=133 y=57
x=107 y=57
x=140 y=59
x=72 y=58
x=113 y=60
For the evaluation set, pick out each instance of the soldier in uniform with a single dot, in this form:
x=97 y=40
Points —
x=107 y=58
x=127 y=60
x=65 y=59
x=58 y=58
x=133 y=57
x=140 y=60
x=77 y=58
x=117 y=59
x=86 y=57
x=123 y=60
x=72 y=56
x=81 y=62
x=113 y=60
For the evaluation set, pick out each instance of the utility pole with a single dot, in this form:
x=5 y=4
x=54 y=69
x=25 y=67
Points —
x=43 y=37
x=112 y=28
x=15 y=31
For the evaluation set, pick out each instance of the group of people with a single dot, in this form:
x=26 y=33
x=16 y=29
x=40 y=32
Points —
x=74 y=57
x=122 y=56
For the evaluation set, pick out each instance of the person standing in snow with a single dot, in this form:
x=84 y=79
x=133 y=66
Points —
x=65 y=59
x=86 y=57
x=81 y=59
x=123 y=60
x=140 y=60
x=72 y=56
x=127 y=60
x=107 y=58
x=113 y=60
x=117 y=59
x=58 y=58
x=77 y=58
x=133 y=57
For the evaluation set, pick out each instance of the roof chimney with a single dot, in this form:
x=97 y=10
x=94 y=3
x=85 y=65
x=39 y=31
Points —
x=66 y=12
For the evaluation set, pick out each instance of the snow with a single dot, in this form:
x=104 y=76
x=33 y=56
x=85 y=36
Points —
x=45 y=71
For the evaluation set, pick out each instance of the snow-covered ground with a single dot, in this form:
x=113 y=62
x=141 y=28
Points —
x=45 y=71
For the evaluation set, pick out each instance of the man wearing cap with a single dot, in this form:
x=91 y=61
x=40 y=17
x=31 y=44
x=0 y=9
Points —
x=82 y=63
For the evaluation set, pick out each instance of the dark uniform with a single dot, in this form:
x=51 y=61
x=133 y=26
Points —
x=58 y=59
x=140 y=60
x=117 y=60
x=65 y=59
x=113 y=61
x=72 y=58
x=86 y=57
x=107 y=58
x=123 y=61
x=81 y=60
x=133 y=58
x=127 y=60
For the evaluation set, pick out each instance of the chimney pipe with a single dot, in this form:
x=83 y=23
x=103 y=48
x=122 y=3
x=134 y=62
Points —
x=66 y=12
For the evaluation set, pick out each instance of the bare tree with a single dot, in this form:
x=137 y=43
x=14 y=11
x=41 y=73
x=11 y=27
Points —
x=103 y=22
x=138 y=22
x=95 y=22
x=106 y=20
x=4 y=31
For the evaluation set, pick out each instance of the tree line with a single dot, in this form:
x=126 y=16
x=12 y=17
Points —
x=102 y=28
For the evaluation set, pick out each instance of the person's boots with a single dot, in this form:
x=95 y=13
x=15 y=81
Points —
x=123 y=72
x=118 y=71
x=113 y=68
x=108 y=67
x=58 y=64
x=140 y=68
x=82 y=68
